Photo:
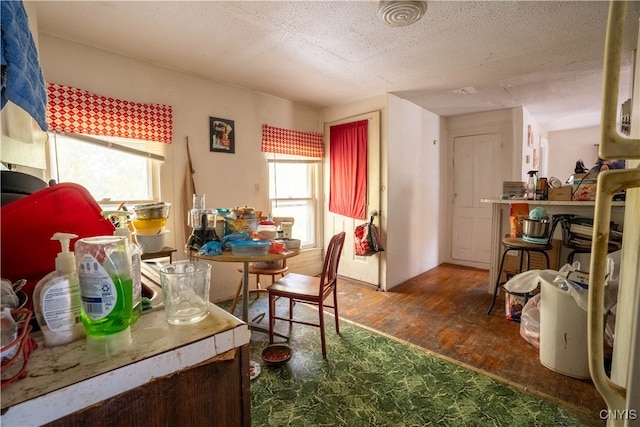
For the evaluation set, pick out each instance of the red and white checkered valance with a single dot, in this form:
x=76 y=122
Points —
x=293 y=142
x=78 y=111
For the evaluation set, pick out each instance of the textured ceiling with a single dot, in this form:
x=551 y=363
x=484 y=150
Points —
x=462 y=57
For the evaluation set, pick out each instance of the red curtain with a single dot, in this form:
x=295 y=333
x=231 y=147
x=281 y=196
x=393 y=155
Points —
x=348 y=169
x=75 y=110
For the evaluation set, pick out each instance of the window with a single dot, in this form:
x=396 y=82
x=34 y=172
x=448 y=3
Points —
x=293 y=191
x=112 y=172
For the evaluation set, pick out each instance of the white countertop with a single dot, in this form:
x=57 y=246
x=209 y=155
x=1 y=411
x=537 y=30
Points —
x=64 y=379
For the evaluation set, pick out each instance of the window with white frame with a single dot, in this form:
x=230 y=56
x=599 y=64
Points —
x=125 y=171
x=294 y=191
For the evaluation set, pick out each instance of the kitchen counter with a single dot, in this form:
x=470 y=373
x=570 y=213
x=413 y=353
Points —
x=65 y=379
x=500 y=222
x=567 y=203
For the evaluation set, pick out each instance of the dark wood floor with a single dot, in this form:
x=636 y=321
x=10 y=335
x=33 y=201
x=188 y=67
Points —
x=445 y=311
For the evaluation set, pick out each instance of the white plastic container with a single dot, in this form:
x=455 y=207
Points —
x=56 y=298
x=287 y=230
x=267 y=229
x=563 y=333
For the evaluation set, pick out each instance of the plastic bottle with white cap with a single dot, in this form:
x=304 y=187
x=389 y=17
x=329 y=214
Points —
x=56 y=298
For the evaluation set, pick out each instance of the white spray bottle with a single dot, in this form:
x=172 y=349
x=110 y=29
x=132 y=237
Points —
x=136 y=261
x=56 y=298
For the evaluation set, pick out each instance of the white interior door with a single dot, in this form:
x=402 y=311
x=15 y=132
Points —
x=366 y=269
x=476 y=172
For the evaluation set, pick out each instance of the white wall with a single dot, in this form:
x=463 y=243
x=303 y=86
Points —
x=568 y=146
x=415 y=187
x=227 y=180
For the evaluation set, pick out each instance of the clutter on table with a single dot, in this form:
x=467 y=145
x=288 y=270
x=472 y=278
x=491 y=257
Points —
x=241 y=230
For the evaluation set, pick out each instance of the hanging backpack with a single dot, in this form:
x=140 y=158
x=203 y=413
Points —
x=367 y=239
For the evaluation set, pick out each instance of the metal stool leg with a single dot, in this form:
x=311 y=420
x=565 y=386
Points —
x=495 y=291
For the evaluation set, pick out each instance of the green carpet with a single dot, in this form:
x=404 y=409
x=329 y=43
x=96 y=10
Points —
x=369 y=379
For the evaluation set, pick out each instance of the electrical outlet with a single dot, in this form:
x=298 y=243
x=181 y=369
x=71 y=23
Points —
x=257 y=188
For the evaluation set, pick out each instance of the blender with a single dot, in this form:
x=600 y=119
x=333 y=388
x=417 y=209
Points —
x=203 y=223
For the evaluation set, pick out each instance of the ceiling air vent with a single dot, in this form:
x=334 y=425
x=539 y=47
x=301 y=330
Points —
x=401 y=13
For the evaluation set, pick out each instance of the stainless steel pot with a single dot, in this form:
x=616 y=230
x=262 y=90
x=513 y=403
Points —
x=535 y=227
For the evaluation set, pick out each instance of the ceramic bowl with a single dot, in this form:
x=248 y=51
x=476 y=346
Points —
x=152 y=243
x=276 y=354
x=292 y=243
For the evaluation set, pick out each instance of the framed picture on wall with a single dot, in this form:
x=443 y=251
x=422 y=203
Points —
x=222 y=135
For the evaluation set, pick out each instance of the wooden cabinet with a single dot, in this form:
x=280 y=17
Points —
x=213 y=393
x=170 y=375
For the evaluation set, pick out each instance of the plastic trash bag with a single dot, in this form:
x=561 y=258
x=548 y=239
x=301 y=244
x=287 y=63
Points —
x=612 y=279
x=579 y=294
x=530 y=321
x=526 y=281
x=8 y=297
x=520 y=285
x=225 y=242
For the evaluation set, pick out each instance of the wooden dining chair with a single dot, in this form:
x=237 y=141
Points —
x=273 y=269
x=311 y=290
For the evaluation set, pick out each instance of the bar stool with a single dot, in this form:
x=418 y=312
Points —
x=523 y=248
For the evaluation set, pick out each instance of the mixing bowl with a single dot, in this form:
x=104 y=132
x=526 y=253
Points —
x=149 y=226
x=152 y=210
x=152 y=243
x=535 y=227
x=291 y=243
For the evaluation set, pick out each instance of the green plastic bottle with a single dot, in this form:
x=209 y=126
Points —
x=136 y=253
x=106 y=285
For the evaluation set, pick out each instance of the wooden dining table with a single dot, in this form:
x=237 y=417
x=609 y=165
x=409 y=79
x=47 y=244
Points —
x=228 y=256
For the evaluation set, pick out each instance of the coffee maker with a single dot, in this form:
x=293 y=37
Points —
x=203 y=223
